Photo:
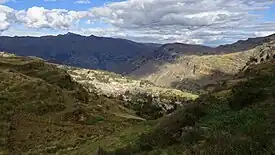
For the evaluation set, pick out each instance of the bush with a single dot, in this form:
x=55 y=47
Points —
x=169 y=130
x=93 y=120
x=245 y=97
x=252 y=91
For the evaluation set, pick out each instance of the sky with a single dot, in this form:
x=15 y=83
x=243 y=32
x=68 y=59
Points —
x=207 y=22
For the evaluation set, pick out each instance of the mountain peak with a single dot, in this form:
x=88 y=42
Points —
x=71 y=34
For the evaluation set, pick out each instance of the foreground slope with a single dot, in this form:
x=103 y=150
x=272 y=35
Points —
x=236 y=118
x=43 y=111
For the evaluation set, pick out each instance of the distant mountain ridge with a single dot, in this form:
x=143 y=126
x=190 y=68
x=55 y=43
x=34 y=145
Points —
x=111 y=54
x=243 y=45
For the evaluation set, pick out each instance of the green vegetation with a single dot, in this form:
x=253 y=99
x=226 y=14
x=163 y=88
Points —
x=143 y=104
x=242 y=122
x=151 y=108
x=43 y=111
x=94 y=119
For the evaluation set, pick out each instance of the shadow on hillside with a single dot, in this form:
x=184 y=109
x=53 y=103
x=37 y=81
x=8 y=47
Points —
x=169 y=53
x=153 y=64
x=203 y=83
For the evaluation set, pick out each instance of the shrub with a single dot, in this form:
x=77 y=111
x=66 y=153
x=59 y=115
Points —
x=93 y=120
x=252 y=91
x=41 y=108
x=245 y=97
x=169 y=130
x=245 y=131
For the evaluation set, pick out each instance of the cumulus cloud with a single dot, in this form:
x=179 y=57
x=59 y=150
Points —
x=188 y=21
x=39 y=17
x=5 y=17
x=199 y=21
x=188 y=13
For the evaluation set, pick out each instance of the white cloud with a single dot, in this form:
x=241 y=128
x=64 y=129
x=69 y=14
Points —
x=4 y=17
x=188 y=13
x=39 y=17
x=264 y=33
x=188 y=21
x=185 y=20
x=83 y=1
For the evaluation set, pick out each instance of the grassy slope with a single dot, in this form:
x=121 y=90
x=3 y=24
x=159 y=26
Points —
x=236 y=120
x=193 y=72
x=44 y=111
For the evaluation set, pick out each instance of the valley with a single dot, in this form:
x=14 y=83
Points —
x=137 y=77
x=190 y=104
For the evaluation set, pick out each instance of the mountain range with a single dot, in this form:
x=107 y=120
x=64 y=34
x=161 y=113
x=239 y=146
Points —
x=111 y=54
x=49 y=108
x=175 y=65
x=116 y=55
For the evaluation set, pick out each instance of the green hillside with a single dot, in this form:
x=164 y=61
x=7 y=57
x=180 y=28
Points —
x=238 y=119
x=43 y=111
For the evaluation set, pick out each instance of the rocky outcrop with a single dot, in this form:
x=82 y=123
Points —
x=4 y=54
x=263 y=53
